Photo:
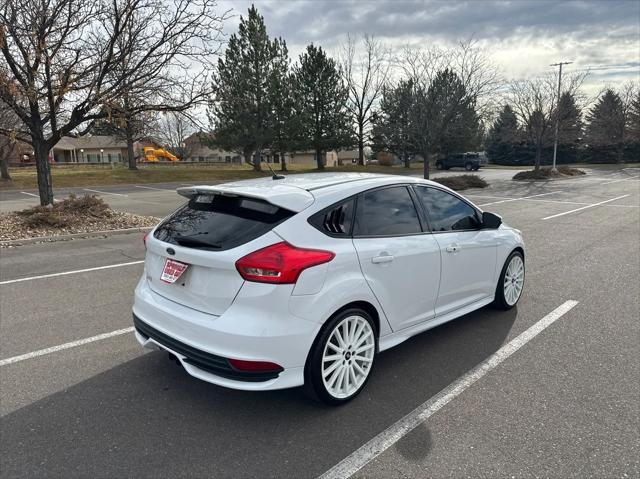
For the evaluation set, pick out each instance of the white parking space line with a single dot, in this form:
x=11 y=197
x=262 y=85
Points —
x=618 y=181
x=518 y=199
x=490 y=197
x=62 y=347
x=151 y=188
x=31 y=194
x=65 y=273
x=387 y=438
x=103 y=192
x=585 y=207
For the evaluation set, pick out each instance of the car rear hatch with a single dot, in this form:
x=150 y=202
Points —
x=209 y=234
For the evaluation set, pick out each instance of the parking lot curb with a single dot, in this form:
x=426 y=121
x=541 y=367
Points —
x=90 y=234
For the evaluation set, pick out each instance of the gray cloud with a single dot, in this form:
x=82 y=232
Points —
x=522 y=35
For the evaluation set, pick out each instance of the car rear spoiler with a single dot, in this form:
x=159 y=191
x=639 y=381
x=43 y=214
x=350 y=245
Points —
x=288 y=197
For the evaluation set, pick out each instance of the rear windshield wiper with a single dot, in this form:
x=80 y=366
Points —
x=195 y=243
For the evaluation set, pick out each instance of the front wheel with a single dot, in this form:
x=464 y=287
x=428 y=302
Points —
x=511 y=282
x=468 y=166
x=341 y=359
x=439 y=166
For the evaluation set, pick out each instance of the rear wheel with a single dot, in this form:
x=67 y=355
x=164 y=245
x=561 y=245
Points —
x=468 y=166
x=511 y=282
x=342 y=357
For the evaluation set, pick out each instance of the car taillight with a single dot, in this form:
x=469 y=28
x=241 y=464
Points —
x=144 y=239
x=280 y=263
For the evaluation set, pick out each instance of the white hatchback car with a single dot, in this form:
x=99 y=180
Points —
x=275 y=283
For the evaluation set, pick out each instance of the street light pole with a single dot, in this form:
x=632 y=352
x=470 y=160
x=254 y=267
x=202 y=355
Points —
x=555 y=139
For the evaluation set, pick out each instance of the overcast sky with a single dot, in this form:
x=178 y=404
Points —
x=522 y=36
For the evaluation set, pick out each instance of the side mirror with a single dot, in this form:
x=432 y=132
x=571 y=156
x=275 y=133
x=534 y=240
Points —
x=491 y=220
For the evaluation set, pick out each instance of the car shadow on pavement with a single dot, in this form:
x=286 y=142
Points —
x=148 y=418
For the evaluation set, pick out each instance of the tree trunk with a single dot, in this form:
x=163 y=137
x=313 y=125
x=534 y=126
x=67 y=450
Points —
x=6 y=149
x=538 y=156
x=43 y=169
x=426 y=166
x=407 y=161
x=319 y=159
x=620 y=153
x=130 y=154
x=257 y=162
x=283 y=162
x=361 y=144
x=247 y=157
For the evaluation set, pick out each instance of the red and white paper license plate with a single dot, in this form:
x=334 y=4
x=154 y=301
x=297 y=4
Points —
x=172 y=270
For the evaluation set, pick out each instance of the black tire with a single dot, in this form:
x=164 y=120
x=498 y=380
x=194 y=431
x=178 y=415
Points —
x=468 y=166
x=313 y=384
x=439 y=166
x=500 y=302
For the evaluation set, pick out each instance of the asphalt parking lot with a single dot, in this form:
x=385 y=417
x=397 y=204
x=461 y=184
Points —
x=80 y=398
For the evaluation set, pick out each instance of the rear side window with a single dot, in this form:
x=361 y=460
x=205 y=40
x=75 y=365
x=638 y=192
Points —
x=447 y=212
x=335 y=220
x=386 y=212
x=218 y=222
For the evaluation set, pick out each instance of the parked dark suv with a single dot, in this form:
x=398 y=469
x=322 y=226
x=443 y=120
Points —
x=468 y=161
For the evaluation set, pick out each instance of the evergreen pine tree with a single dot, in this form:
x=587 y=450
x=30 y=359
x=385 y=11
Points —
x=281 y=119
x=392 y=123
x=503 y=138
x=606 y=127
x=323 y=122
x=241 y=110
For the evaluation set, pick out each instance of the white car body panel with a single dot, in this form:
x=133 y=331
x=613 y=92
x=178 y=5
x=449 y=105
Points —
x=468 y=268
x=220 y=313
x=404 y=274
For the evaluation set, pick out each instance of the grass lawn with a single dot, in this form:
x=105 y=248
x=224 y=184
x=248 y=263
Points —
x=25 y=178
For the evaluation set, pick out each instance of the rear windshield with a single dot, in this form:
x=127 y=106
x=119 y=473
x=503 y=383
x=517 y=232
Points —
x=218 y=222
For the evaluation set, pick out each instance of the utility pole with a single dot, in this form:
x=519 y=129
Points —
x=555 y=140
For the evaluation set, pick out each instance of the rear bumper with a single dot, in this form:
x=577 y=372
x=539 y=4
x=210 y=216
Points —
x=211 y=363
x=203 y=342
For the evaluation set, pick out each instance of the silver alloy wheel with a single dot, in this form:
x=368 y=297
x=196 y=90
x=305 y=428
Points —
x=513 y=280
x=348 y=356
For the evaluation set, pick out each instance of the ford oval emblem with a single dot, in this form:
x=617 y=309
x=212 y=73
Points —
x=171 y=251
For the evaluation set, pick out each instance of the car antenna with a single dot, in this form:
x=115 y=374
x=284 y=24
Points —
x=275 y=175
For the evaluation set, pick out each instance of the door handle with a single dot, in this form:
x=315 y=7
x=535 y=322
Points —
x=384 y=258
x=452 y=248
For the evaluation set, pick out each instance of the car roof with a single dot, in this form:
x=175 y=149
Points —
x=298 y=191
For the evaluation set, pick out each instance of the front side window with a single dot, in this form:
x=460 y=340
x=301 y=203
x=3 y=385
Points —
x=447 y=212
x=386 y=212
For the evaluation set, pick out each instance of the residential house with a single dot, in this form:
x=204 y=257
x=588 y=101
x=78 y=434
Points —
x=90 y=149
x=309 y=158
x=198 y=150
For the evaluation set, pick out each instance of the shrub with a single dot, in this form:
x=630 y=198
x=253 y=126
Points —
x=547 y=173
x=65 y=213
x=462 y=182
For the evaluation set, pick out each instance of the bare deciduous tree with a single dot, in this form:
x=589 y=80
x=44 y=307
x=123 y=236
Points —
x=534 y=102
x=365 y=75
x=66 y=63
x=173 y=129
x=480 y=77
